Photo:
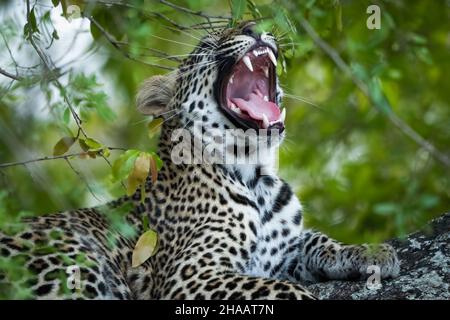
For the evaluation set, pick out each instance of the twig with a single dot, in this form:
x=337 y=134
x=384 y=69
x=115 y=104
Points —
x=156 y=53
x=116 y=45
x=10 y=75
x=398 y=122
x=54 y=78
x=47 y=158
x=82 y=178
x=17 y=77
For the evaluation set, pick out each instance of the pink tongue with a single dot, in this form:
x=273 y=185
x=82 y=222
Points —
x=255 y=106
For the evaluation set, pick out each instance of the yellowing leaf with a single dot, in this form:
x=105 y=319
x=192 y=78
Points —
x=140 y=172
x=63 y=145
x=92 y=154
x=153 y=126
x=146 y=246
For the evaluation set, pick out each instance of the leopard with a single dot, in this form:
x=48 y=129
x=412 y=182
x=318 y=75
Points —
x=226 y=229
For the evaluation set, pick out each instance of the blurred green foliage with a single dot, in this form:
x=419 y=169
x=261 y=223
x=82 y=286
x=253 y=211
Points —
x=359 y=177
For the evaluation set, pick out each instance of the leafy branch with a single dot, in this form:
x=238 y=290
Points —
x=47 y=158
x=31 y=20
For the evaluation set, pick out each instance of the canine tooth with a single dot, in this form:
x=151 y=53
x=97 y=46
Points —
x=231 y=80
x=265 y=121
x=272 y=57
x=266 y=71
x=283 y=115
x=248 y=63
x=256 y=53
x=266 y=98
x=235 y=108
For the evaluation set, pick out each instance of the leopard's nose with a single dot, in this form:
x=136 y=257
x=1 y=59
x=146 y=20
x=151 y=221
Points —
x=250 y=30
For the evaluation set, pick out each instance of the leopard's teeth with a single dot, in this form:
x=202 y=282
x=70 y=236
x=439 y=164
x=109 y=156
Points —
x=272 y=57
x=266 y=98
x=235 y=109
x=248 y=63
x=283 y=115
x=266 y=71
x=231 y=80
x=265 y=121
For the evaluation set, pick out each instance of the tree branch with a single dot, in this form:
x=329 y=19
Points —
x=10 y=75
x=47 y=158
x=53 y=77
x=398 y=122
x=81 y=177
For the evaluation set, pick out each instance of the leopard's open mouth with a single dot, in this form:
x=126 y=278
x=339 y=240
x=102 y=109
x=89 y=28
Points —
x=248 y=91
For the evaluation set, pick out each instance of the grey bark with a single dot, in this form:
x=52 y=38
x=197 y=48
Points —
x=424 y=274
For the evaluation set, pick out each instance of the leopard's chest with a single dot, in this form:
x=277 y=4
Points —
x=269 y=222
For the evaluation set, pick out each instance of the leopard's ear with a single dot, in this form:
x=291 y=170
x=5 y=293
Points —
x=155 y=94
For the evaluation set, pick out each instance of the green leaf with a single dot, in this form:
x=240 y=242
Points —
x=385 y=208
x=429 y=201
x=66 y=116
x=238 y=9
x=106 y=152
x=55 y=35
x=32 y=21
x=146 y=246
x=140 y=172
x=90 y=144
x=105 y=112
x=63 y=145
x=159 y=162
x=124 y=164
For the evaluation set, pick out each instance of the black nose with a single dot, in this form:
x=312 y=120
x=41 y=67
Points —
x=249 y=30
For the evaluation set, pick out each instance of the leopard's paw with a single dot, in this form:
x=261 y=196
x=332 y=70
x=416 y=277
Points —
x=369 y=259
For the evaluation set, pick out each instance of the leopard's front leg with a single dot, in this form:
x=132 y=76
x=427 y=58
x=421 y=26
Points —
x=321 y=258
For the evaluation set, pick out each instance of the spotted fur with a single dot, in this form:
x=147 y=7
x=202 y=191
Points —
x=226 y=231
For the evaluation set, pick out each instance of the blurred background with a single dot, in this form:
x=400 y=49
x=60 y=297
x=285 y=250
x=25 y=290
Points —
x=368 y=117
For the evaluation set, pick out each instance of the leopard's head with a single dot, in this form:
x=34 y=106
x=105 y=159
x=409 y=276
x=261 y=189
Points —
x=228 y=81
